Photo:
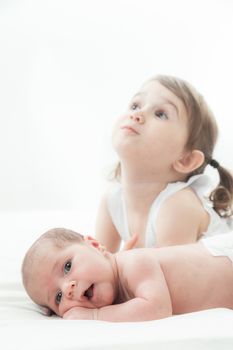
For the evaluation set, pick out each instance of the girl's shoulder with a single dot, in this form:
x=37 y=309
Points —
x=183 y=201
x=182 y=218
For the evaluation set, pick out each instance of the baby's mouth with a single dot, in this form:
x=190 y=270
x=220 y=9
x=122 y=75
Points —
x=89 y=292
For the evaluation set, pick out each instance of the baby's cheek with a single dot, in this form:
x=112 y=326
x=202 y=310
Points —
x=69 y=315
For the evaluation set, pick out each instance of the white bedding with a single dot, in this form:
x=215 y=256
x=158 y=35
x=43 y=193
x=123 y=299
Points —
x=23 y=326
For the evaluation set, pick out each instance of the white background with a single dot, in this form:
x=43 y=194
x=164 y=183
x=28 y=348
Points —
x=69 y=67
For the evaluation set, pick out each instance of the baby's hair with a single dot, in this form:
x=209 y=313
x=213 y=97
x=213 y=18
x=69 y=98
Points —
x=203 y=133
x=59 y=237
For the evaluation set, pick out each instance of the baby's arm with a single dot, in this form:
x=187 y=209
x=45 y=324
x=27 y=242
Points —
x=152 y=298
x=181 y=220
x=106 y=232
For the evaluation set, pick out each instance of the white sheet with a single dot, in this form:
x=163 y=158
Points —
x=23 y=326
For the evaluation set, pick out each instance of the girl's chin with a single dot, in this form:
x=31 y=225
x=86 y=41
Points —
x=126 y=149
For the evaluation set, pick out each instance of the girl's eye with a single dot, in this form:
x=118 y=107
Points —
x=67 y=266
x=134 y=106
x=161 y=115
x=58 y=298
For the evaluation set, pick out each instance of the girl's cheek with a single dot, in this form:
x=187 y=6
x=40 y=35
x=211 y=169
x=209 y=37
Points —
x=121 y=118
x=118 y=122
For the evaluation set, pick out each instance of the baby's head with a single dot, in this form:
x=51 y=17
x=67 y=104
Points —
x=62 y=270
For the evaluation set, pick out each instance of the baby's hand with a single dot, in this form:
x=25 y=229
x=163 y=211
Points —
x=130 y=244
x=80 y=313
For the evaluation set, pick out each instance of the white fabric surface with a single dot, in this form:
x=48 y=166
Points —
x=220 y=245
x=23 y=326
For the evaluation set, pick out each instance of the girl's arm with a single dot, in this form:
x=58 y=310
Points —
x=181 y=220
x=106 y=232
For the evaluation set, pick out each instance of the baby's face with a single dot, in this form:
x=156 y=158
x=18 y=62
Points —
x=76 y=275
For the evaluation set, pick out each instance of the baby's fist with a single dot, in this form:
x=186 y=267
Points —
x=79 y=313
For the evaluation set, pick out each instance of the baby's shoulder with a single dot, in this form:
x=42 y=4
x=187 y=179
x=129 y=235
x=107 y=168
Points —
x=137 y=261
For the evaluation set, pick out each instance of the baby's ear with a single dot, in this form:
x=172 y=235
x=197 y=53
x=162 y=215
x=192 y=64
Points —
x=94 y=243
x=189 y=162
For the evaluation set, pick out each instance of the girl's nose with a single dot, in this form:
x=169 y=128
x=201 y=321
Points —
x=138 y=118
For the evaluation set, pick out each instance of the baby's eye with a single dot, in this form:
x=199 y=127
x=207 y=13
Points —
x=134 y=106
x=161 y=115
x=67 y=266
x=58 y=298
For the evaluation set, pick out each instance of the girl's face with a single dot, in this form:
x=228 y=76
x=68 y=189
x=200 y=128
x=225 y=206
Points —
x=76 y=275
x=154 y=129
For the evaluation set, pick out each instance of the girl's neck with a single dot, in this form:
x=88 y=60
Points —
x=141 y=173
x=141 y=187
x=139 y=196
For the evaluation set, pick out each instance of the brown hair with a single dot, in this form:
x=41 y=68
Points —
x=203 y=133
x=60 y=237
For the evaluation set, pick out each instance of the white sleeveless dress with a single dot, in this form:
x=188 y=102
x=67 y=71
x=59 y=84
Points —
x=200 y=184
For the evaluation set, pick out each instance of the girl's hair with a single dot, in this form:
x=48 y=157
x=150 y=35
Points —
x=203 y=133
x=59 y=237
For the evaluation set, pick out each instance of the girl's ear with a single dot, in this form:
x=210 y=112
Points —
x=189 y=162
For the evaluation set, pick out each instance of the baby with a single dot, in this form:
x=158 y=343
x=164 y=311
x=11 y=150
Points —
x=76 y=278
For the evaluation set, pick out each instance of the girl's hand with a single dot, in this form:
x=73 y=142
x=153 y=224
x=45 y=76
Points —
x=130 y=244
x=80 y=313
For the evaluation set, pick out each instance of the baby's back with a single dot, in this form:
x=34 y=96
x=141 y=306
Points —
x=196 y=279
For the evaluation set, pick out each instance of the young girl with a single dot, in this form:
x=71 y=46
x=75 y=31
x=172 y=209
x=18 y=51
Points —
x=164 y=142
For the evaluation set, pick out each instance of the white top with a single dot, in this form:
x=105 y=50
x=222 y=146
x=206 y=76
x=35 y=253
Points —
x=200 y=184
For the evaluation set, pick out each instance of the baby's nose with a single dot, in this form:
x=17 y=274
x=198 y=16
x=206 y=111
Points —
x=138 y=118
x=69 y=288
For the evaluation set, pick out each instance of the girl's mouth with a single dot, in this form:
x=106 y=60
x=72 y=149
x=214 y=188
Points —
x=130 y=129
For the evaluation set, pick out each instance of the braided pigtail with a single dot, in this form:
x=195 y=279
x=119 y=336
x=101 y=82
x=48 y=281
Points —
x=222 y=195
